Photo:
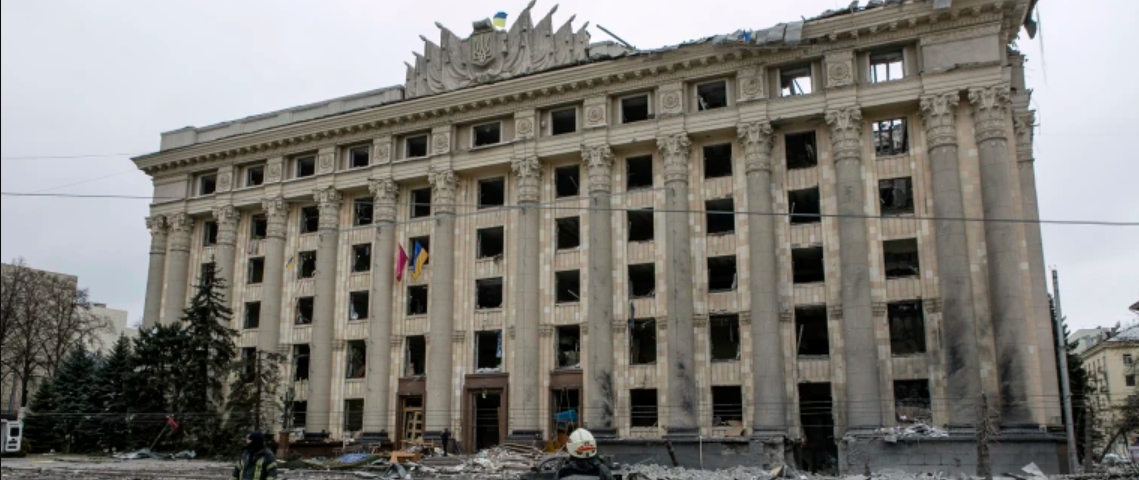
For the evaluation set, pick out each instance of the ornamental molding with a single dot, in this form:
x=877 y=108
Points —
x=225 y=180
x=276 y=215
x=675 y=150
x=745 y=319
x=599 y=163
x=1024 y=125
x=990 y=111
x=326 y=162
x=840 y=69
x=159 y=233
x=546 y=331
x=529 y=172
x=441 y=143
x=328 y=201
x=385 y=193
x=523 y=128
x=757 y=138
x=227 y=217
x=512 y=332
x=671 y=100
x=181 y=226
x=939 y=115
x=459 y=336
x=596 y=112
x=750 y=82
x=444 y=185
x=397 y=341
x=700 y=321
x=382 y=150
x=846 y=133
x=787 y=316
x=962 y=34
x=275 y=170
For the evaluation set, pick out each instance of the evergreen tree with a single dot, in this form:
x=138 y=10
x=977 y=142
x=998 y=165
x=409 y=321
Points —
x=156 y=384
x=207 y=364
x=75 y=390
x=254 y=400
x=40 y=426
x=115 y=397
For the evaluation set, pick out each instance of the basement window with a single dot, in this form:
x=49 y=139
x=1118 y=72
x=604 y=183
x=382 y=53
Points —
x=644 y=412
x=890 y=138
x=569 y=233
x=416 y=147
x=362 y=258
x=568 y=181
x=305 y=167
x=796 y=81
x=421 y=203
x=362 y=212
x=635 y=109
x=357 y=359
x=568 y=287
x=417 y=300
x=639 y=171
x=359 y=157
x=811 y=332
x=305 y=307
x=802 y=150
x=491 y=242
x=642 y=281
x=259 y=228
x=886 y=66
x=721 y=216
x=487 y=135
x=643 y=342
x=902 y=259
x=718 y=161
x=210 y=234
x=488 y=351
x=722 y=274
x=725 y=338
x=255 y=176
x=897 y=196
x=569 y=348
x=416 y=356
x=913 y=401
x=310 y=220
x=492 y=193
x=641 y=227
x=307 y=261
x=353 y=416
x=488 y=294
x=301 y=360
x=806 y=206
x=563 y=122
x=359 y=304
x=727 y=406
x=207 y=185
x=808 y=265
x=907 y=328
x=252 y=315
x=711 y=96
x=256 y=273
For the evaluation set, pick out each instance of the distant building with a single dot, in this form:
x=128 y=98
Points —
x=1112 y=372
x=106 y=339
x=1087 y=338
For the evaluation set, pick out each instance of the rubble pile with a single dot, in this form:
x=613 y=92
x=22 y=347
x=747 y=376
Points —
x=653 y=472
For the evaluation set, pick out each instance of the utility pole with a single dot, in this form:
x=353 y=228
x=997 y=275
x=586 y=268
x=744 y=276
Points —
x=1065 y=381
x=985 y=432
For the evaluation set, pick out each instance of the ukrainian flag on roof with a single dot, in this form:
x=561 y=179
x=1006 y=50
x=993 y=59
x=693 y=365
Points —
x=500 y=20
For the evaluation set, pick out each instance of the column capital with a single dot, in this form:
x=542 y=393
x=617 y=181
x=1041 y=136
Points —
x=529 y=171
x=546 y=331
x=846 y=133
x=227 y=217
x=757 y=139
x=159 y=232
x=745 y=319
x=276 y=214
x=181 y=225
x=700 y=321
x=328 y=201
x=599 y=163
x=444 y=185
x=990 y=111
x=939 y=115
x=1024 y=125
x=675 y=150
x=787 y=316
x=385 y=192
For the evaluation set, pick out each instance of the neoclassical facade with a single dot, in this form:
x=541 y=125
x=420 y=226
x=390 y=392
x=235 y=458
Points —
x=818 y=225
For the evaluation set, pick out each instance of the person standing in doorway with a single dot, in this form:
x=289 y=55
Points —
x=446 y=438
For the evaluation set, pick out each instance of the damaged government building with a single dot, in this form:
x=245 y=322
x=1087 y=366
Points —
x=751 y=244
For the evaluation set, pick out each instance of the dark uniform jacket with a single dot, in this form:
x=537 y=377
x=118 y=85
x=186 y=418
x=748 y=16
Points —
x=587 y=467
x=259 y=466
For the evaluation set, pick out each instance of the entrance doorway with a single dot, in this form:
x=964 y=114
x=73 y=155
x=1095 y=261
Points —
x=410 y=420
x=816 y=412
x=488 y=420
x=565 y=408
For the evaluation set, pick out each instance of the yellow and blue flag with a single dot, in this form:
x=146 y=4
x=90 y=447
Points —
x=500 y=20
x=291 y=263
x=418 y=260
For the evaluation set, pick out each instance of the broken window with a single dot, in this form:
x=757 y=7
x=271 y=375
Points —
x=642 y=281
x=310 y=220
x=417 y=300
x=256 y=273
x=362 y=212
x=569 y=347
x=808 y=265
x=306 y=167
x=897 y=196
x=307 y=262
x=816 y=415
x=255 y=176
x=491 y=242
x=488 y=351
x=890 y=137
x=486 y=135
x=357 y=359
x=718 y=161
x=641 y=226
x=300 y=414
x=643 y=342
x=416 y=146
x=721 y=216
x=301 y=357
x=802 y=150
x=569 y=286
x=907 y=328
x=811 y=334
x=353 y=416
x=913 y=401
x=210 y=234
x=252 y=315
x=711 y=96
x=421 y=203
x=902 y=259
x=568 y=180
x=492 y=193
x=563 y=121
x=722 y=274
x=488 y=294
x=259 y=228
x=805 y=206
x=416 y=356
x=569 y=233
x=248 y=364
x=796 y=81
x=359 y=304
x=639 y=171
x=362 y=258
x=305 y=307
x=635 y=109
x=727 y=406
x=644 y=412
x=886 y=66
x=725 y=338
x=207 y=185
x=359 y=157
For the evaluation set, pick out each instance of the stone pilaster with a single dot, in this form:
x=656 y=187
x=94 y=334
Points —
x=601 y=399
x=324 y=322
x=863 y=395
x=159 y=234
x=991 y=117
x=440 y=372
x=377 y=401
x=178 y=268
x=769 y=417
x=526 y=375
x=225 y=253
x=272 y=287
x=959 y=335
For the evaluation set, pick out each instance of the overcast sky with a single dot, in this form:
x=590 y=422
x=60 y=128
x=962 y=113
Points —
x=82 y=77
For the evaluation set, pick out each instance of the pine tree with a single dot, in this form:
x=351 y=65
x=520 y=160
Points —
x=75 y=391
x=254 y=400
x=40 y=426
x=208 y=362
x=115 y=397
x=156 y=384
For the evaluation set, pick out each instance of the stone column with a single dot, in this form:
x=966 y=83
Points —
x=440 y=371
x=676 y=151
x=272 y=288
x=320 y=408
x=601 y=399
x=159 y=232
x=769 y=417
x=959 y=334
x=177 y=268
x=863 y=395
x=991 y=115
x=526 y=375
x=225 y=253
x=377 y=420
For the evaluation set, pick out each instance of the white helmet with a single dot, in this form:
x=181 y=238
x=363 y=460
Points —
x=582 y=444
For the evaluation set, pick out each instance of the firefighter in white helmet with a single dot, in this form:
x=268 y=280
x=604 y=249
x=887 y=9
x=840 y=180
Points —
x=583 y=461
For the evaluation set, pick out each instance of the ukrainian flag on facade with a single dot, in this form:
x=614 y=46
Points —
x=500 y=20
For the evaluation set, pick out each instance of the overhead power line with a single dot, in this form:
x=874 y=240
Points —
x=73 y=157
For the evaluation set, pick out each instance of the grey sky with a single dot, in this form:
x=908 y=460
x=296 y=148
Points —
x=86 y=77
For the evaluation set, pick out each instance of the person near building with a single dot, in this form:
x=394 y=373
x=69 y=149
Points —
x=446 y=438
x=583 y=461
x=257 y=462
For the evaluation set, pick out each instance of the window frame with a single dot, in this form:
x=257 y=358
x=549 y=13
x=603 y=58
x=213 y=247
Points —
x=553 y=122
x=785 y=75
x=252 y=279
x=299 y=162
x=200 y=184
x=727 y=95
x=246 y=324
x=888 y=135
x=900 y=52
x=255 y=225
x=407 y=146
x=350 y=153
x=352 y=298
x=249 y=171
x=577 y=183
x=475 y=134
x=649 y=115
x=892 y=211
x=731 y=171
